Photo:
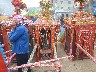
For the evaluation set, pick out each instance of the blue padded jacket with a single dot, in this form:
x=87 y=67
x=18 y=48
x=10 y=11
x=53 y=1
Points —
x=20 y=40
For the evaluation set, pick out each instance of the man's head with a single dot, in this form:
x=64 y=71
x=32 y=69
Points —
x=14 y=24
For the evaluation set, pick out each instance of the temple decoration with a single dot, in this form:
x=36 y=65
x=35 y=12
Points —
x=80 y=28
x=45 y=32
x=19 y=5
x=81 y=3
x=45 y=36
x=80 y=18
x=46 y=9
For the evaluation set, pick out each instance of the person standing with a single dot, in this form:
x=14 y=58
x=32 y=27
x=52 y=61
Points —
x=61 y=20
x=20 y=43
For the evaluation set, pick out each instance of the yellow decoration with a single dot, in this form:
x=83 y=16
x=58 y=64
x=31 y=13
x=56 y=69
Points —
x=80 y=18
x=5 y=18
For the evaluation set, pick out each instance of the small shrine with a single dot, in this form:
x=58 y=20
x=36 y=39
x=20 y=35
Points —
x=45 y=32
x=80 y=29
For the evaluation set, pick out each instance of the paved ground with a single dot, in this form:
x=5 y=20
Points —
x=85 y=65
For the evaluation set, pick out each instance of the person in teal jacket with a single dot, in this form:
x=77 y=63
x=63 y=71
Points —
x=20 y=43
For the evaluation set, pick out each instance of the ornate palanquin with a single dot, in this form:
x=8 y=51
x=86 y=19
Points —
x=81 y=29
x=45 y=36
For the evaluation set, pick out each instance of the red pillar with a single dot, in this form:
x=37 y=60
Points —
x=37 y=41
x=6 y=41
x=52 y=40
x=3 y=67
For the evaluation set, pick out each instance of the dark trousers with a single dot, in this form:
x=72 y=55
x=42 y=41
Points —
x=22 y=59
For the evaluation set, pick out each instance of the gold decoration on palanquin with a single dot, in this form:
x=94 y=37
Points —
x=80 y=18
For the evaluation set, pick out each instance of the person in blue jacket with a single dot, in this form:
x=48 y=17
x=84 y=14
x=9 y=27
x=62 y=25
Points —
x=20 y=43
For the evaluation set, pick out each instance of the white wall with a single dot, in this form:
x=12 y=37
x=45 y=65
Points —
x=66 y=8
